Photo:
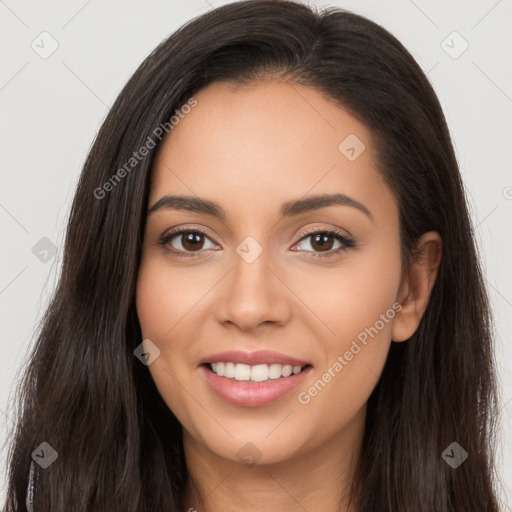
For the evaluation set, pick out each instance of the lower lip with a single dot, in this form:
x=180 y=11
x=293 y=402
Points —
x=252 y=394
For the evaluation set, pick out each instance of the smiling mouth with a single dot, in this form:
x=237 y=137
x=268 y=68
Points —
x=254 y=373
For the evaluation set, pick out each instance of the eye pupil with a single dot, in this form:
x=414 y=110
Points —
x=192 y=241
x=321 y=239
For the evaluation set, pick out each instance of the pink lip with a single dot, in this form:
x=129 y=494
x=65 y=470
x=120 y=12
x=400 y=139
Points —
x=252 y=358
x=255 y=394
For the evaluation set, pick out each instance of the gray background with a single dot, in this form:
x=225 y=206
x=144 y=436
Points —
x=52 y=107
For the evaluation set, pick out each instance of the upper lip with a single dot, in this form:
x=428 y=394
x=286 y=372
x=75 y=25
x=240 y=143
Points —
x=253 y=358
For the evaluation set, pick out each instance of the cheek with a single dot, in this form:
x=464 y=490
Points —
x=166 y=297
x=358 y=304
x=351 y=298
x=156 y=301
x=360 y=312
x=366 y=304
x=162 y=303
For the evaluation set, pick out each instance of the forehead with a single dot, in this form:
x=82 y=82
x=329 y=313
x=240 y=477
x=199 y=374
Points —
x=257 y=146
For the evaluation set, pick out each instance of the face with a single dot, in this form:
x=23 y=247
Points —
x=268 y=273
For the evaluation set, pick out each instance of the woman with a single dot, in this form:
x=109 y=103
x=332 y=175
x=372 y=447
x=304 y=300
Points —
x=270 y=295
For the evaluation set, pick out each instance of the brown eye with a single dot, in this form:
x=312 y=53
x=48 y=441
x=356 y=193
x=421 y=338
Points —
x=325 y=243
x=322 y=241
x=186 y=242
x=192 y=241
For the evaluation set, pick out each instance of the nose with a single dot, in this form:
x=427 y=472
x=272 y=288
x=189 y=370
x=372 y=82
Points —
x=254 y=294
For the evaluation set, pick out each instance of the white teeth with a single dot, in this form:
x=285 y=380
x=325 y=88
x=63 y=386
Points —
x=259 y=373
x=286 y=371
x=274 y=371
x=256 y=373
x=229 y=370
x=242 y=372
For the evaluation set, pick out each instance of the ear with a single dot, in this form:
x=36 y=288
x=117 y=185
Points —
x=416 y=285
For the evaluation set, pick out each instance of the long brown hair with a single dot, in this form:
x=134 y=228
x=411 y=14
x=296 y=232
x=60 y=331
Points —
x=84 y=393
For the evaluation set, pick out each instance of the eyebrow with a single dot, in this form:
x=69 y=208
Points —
x=288 y=209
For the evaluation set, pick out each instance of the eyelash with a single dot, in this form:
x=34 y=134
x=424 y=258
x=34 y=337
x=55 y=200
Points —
x=347 y=243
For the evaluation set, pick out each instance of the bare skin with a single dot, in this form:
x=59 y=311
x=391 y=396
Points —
x=251 y=149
